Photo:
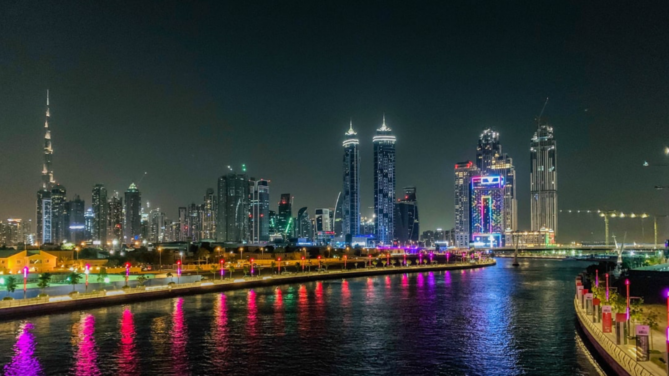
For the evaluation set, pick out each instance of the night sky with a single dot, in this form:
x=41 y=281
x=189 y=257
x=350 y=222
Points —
x=182 y=90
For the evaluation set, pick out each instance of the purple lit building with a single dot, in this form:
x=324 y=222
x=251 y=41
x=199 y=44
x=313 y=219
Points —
x=486 y=211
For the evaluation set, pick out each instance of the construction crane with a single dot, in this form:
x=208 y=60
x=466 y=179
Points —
x=607 y=214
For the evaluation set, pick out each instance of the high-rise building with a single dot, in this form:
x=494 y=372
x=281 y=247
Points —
x=303 y=228
x=464 y=171
x=323 y=224
x=209 y=211
x=115 y=219
x=337 y=216
x=285 y=215
x=543 y=179
x=12 y=232
x=132 y=228
x=407 y=229
x=99 y=201
x=89 y=222
x=487 y=211
x=350 y=195
x=259 y=215
x=76 y=219
x=44 y=204
x=183 y=224
x=490 y=160
x=272 y=222
x=233 y=208
x=156 y=226
x=59 y=220
x=194 y=222
x=384 y=184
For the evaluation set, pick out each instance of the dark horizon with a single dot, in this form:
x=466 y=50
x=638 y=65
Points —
x=181 y=91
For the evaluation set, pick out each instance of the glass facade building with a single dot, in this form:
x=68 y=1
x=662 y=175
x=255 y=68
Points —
x=543 y=180
x=350 y=195
x=487 y=211
x=384 y=184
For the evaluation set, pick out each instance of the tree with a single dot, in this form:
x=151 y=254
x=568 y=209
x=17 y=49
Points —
x=10 y=284
x=202 y=253
x=246 y=270
x=141 y=280
x=651 y=318
x=102 y=275
x=170 y=276
x=43 y=281
x=232 y=270
x=74 y=279
x=214 y=270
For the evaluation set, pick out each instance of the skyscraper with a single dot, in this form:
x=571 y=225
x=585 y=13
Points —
x=384 y=184
x=115 y=218
x=350 y=199
x=337 y=216
x=490 y=160
x=487 y=210
x=89 y=220
x=543 y=179
x=304 y=229
x=99 y=201
x=209 y=212
x=132 y=228
x=183 y=224
x=233 y=208
x=285 y=215
x=76 y=213
x=59 y=223
x=259 y=216
x=323 y=224
x=464 y=171
x=407 y=229
x=194 y=221
x=44 y=218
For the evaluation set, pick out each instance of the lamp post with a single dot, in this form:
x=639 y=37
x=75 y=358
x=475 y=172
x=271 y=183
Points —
x=251 y=267
x=388 y=259
x=87 y=271
x=127 y=272
x=279 y=265
x=627 y=284
x=241 y=253
x=328 y=251
x=319 y=263
x=607 y=287
x=667 y=332
x=448 y=256
x=222 y=268
x=303 y=262
x=160 y=257
x=597 y=278
x=370 y=260
x=178 y=271
x=76 y=253
x=25 y=281
x=345 y=257
x=405 y=257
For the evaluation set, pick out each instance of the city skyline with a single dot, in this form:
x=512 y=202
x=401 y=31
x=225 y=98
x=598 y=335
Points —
x=117 y=113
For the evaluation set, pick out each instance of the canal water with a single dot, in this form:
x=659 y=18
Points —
x=498 y=320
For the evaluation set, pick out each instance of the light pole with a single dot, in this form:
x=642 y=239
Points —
x=222 y=268
x=25 y=281
x=607 y=287
x=160 y=257
x=241 y=254
x=627 y=284
x=127 y=272
x=178 y=271
x=87 y=271
x=328 y=251
x=251 y=267
x=345 y=262
x=303 y=262
x=279 y=265
x=76 y=253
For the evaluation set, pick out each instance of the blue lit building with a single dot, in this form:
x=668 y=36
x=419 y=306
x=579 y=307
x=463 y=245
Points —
x=349 y=201
x=384 y=184
x=487 y=211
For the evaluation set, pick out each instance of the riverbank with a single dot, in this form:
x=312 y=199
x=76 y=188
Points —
x=533 y=257
x=38 y=306
x=621 y=359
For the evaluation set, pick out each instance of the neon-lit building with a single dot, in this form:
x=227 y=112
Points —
x=350 y=195
x=259 y=215
x=464 y=171
x=487 y=211
x=384 y=184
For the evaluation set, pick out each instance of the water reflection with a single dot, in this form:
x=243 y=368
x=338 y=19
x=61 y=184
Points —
x=303 y=310
x=219 y=334
x=87 y=355
x=24 y=362
x=252 y=316
x=180 y=362
x=278 y=313
x=127 y=360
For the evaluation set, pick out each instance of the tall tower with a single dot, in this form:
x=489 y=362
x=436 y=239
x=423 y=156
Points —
x=490 y=160
x=233 y=208
x=285 y=215
x=384 y=184
x=351 y=191
x=132 y=229
x=99 y=201
x=407 y=227
x=209 y=215
x=464 y=172
x=259 y=216
x=543 y=179
x=44 y=205
x=115 y=219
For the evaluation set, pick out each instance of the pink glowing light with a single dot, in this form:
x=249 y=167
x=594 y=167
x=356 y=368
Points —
x=24 y=362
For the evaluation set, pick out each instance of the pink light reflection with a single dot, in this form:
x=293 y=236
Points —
x=24 y=362
x=252 y=315
x=86 y=352
x=220 y=334
x=303 y=311
x=279 y=328
x=179 y=339
x=128 y=362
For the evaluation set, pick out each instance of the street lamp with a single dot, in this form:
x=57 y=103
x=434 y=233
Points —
x=241 y=253
x=25 y=281
x=87 y=271
x=345 y=262
x=279 y=266
x=328 y=251
x=160 y=257
x=178 y=271
x=222 y=268
x=76 y=253
x=607 y=287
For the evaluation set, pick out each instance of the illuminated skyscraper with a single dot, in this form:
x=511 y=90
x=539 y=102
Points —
x=407 y=228
x=76 y=220
x=115 y=219
x=259 y=215
x=89 y=220
x=384 y=184
x=210 y=208
x=132 y=228
x=233 y=208
x=338 y=216
x=99 y=201
x=285 y=215
x=59 y=224
x=44 y=218
x=323 y=224
x=487 y=211
x=490 y=160
x=304 y=229
x=543 y=179
x=464 y=171
x=350 y=195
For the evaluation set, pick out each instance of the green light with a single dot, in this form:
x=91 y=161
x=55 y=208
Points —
x=2 y=280
x=243 y=167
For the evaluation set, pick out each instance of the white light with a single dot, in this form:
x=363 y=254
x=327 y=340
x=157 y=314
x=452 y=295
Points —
x=206 y=284
x=59 y=298
x=239 y=280
x=115 y=292
x=266 y=277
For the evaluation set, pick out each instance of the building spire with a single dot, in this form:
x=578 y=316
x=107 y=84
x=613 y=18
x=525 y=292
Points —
x=47 y=169
x=351 y=132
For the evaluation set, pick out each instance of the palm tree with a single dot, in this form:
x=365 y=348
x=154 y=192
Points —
x=141 y=280
x=102 y=275
x=44 y=281
x=232 y=270
x=170 y=276
x=10 y=284
x=74 y=279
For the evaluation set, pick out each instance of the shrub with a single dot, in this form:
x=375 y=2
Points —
x=7 y=298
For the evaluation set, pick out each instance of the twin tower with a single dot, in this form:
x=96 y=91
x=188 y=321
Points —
x=384 y=185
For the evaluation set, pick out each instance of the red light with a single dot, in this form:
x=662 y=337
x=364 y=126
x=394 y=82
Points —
x=302 y=257
x=279 y=259
x=178 y=262
x=262 y=215
x=319 y=257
